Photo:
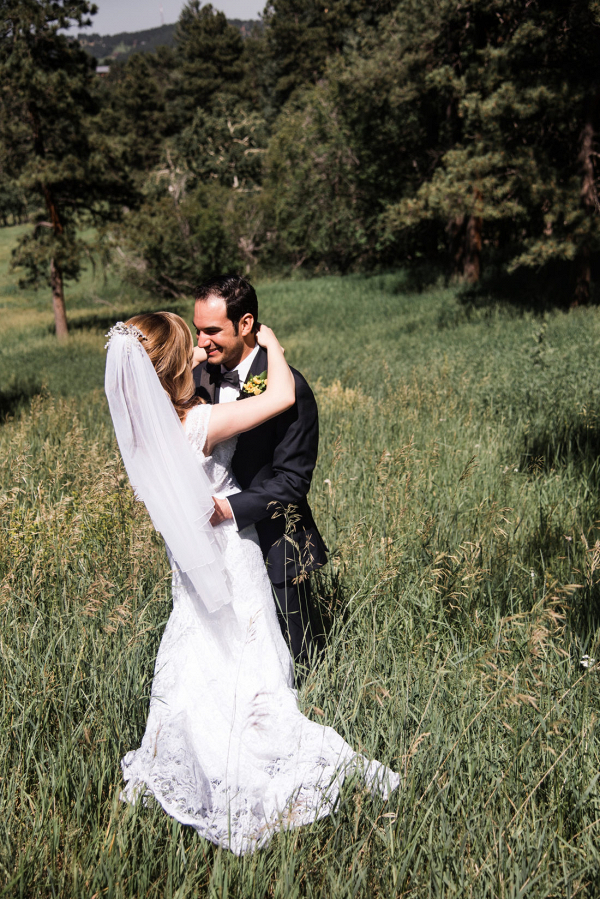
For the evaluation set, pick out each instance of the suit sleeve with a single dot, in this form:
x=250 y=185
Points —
x=294 y=459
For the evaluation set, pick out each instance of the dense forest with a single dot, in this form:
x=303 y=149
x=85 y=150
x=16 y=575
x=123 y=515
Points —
x=340 y=135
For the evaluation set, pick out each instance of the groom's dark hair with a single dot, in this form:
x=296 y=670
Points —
x=238 y=294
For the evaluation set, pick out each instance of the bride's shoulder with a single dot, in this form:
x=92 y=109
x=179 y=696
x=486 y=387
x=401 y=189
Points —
x=196 y=421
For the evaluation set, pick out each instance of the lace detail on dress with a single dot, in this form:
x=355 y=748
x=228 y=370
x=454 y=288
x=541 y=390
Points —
x=218 y=465
x=196 y=426
x=226 y=749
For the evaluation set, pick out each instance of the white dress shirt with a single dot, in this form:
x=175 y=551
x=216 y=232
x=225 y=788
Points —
x=227 y=392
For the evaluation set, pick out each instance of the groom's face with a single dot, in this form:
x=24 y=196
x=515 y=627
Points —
x=216 y=333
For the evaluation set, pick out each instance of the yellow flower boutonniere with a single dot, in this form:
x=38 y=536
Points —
x=256 y=385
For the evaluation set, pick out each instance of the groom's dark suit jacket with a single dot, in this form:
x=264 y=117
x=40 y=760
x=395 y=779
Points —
x=273 y=464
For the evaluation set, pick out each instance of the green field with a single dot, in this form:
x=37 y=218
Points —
x=459 y=492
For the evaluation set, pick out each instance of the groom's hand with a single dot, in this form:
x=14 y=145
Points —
x=222 y=511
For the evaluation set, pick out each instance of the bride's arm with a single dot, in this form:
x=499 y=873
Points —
x=198 y=355
x=229 y=419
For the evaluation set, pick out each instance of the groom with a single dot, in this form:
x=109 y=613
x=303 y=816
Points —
x=274 y=462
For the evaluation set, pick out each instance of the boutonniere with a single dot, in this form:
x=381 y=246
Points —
x=255 y=385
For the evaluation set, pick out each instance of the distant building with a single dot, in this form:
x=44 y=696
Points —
x=102 y=70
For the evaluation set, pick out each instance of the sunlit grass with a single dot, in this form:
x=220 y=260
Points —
x=458 y=490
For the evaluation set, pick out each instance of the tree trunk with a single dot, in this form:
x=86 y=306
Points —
x=455 y=231
x=58 y=300
x=56 y=275
x=472 y=263
x=589 y=199
x=465 y=246
x=583 y=276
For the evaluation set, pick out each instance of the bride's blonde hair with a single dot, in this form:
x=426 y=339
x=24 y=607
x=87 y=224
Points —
x=170 y=345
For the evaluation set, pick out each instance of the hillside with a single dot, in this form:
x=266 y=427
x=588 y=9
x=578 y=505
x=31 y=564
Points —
x=120 y=46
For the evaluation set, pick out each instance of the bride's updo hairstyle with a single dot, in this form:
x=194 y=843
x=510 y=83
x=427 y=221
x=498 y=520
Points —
x=170 y=346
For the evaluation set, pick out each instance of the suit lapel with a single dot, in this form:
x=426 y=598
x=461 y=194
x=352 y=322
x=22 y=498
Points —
x=205 y=383
x=259 y=364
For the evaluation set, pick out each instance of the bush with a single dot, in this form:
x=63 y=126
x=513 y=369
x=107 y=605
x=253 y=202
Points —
x=177 y=239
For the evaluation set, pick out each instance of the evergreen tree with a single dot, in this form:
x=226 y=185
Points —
x=51 y=150
x=301 y=35
x=187 y=127
x=13 y=204
x=226 y=144
x=210 y=54
x=493 y=104
x=154 y=97
x=178 y=237
x=311 y=181
x=203 y=205
x=136 y=107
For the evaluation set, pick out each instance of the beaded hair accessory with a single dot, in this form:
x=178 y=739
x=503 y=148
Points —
x=120 y=329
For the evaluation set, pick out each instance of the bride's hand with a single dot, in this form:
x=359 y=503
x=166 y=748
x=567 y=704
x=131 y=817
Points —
x=266 y=338
x=199 y=355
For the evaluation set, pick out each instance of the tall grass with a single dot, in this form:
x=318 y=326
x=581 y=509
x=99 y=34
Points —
x=458 y=490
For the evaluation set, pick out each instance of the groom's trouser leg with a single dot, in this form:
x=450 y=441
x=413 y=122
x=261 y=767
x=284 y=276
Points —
x=293 y=605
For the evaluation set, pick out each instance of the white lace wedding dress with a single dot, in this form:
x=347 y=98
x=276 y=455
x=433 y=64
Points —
x=226 y=748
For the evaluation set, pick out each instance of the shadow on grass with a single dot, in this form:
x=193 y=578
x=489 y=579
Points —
x=523 y=291
x=106 y=318
x=17 y=394
x=537 y=291
x=527 y=290
x=328 y=600
x=574 y=444
x=414 y=278
x=584 y=617
x=553 y=446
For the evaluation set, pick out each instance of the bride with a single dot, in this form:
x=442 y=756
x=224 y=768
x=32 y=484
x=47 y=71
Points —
x=226 y=748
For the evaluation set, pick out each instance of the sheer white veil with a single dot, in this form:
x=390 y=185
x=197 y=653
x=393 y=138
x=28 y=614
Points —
x=162 y=467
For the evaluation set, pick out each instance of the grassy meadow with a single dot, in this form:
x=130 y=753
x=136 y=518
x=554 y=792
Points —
x=458 y=489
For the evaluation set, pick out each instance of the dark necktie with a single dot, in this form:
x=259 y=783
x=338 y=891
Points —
x=217 y=377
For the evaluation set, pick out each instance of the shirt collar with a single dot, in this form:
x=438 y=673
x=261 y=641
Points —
x=244 y=366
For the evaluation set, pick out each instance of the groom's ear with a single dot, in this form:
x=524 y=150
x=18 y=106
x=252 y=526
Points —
x=246 y=324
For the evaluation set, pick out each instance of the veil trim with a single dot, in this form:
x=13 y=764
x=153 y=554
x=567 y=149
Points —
x=162 y=467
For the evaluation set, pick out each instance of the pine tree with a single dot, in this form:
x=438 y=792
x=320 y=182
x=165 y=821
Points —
x=154 y=97
x=13 y=203
x=226 y=144
x=311 y=180
x=210 y=54
x=301 y=35
x=136 y=107
x=504 y=99
x=52 y=152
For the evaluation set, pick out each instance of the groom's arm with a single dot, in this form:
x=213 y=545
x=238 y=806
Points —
x=294 y=460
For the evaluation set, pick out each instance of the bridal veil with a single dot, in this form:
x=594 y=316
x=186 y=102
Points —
x=161 y=465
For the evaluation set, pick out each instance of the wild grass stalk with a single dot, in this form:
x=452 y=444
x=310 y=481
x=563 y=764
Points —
x=457 y=487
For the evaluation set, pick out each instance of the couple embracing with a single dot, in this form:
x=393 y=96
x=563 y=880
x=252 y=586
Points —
x=273 y=463
x=220 y=442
